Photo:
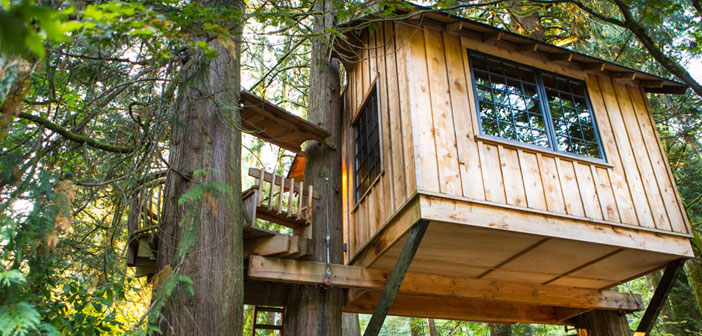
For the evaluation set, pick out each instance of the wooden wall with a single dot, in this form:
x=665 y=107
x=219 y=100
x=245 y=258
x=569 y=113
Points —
x=431 y=141
x=379 y=63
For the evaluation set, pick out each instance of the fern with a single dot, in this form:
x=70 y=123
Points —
x=8 y=278
x=18 y=319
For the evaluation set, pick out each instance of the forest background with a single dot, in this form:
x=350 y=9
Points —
x=87 y=89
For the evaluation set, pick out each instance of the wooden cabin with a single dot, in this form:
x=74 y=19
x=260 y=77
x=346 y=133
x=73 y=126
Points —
x=539 y=170
x=535 y=173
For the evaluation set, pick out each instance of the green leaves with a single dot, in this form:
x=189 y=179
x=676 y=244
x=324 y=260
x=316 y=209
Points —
x=18 y=319
x=24 y=24
x=14 y=276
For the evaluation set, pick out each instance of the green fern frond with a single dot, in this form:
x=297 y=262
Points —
x=18 y=319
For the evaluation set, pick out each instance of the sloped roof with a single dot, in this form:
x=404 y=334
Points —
x=457 y=25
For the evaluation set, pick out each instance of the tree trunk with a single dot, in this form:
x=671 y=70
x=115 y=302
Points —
x=350 y=326
x=694 y=269
x=602 y=323
x=313 y=310
x=500 y=329
x=432 y=328
x=202 y=237
x=527 y=21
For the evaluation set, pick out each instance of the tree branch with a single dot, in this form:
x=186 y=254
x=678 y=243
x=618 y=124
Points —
x=73 y=136
x=635 y=27
x=666 y=61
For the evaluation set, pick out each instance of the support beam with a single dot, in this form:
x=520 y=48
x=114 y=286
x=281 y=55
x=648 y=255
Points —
x=396 y=277
x=658 y=300
x=462 y=310
x=277 y=244
x=360 y=280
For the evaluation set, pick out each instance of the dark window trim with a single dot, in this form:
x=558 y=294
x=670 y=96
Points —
x=545 y=110
x=375 y=89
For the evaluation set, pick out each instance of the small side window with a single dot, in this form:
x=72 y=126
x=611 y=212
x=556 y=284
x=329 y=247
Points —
x=366 y=148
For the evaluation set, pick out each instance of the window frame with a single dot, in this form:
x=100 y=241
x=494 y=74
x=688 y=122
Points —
x=544 y=108
x=355 y=117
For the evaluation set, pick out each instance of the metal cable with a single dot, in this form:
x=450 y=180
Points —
x=327 y=280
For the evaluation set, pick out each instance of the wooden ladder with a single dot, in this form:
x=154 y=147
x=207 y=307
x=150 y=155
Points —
x=261 y=326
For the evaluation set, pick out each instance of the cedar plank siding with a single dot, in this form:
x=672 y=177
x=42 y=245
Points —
x=431 y=142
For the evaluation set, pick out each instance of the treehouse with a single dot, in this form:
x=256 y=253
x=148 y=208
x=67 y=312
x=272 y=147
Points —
x=486 y=176
x=537 y=171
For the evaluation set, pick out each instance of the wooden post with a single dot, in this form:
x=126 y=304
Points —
x=658 y=300
x=396 y=277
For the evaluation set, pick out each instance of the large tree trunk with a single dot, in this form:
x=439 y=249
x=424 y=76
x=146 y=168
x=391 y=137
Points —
x=694 y=269
x=500 y=329
x=602 y=323
x=312 y=310
x=205 y=159
x=350 y=326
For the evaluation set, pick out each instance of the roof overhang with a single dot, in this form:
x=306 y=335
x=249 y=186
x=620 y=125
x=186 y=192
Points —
x=274 y=124
x=453 y=24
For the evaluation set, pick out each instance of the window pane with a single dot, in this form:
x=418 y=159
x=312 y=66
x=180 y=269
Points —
x=366 y=132
x=572 y=119
x=508 y=100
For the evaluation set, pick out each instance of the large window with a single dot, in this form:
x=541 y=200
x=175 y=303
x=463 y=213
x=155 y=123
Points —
x=366 y=139
x=539 y=108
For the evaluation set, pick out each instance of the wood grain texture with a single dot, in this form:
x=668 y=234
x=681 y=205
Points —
x=432 y=142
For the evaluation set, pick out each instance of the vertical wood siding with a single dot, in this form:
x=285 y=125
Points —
x=429 y=126
x=381 y=62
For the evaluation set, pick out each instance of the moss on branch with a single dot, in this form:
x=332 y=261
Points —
x=73 y=136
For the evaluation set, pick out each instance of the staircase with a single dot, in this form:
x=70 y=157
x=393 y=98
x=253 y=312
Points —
x=274 y=198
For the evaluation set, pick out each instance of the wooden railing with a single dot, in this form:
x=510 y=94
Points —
x=145 y=211
x=285 y=201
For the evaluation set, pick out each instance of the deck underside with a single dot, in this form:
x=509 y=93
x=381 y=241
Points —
x=465 y=242
x=474 y=252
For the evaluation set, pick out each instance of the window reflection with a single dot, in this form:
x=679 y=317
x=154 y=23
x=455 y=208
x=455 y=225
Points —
x=510 y=106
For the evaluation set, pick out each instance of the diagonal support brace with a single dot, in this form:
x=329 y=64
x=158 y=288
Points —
x=658 y=300
x=396 y=277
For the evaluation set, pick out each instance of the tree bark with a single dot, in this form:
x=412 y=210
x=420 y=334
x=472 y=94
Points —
x=432 y=328
x=316 y=310
x=526 y=23
x=350 y=326
x=206 y=154
x=694 y=269
x=602 y=323
x=500 y=329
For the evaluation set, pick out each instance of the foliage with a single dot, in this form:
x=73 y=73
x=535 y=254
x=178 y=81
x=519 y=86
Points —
x=103 y=78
